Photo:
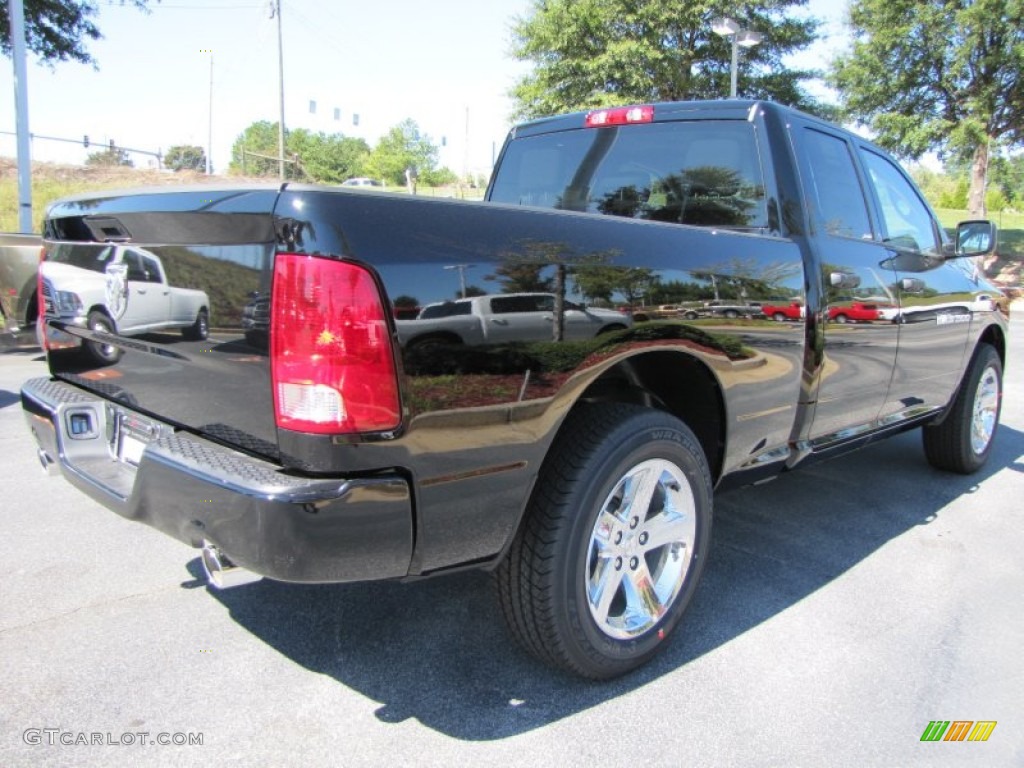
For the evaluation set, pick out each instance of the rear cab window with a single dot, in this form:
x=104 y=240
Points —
x=704 y=173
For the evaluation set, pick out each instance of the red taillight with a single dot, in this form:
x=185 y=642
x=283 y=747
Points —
x=619 y=116
x=331 y=358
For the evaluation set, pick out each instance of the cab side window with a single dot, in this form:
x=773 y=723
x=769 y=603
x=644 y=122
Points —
x=836 y=194
x=150 y=269
x=906 y=219
x=133 y=264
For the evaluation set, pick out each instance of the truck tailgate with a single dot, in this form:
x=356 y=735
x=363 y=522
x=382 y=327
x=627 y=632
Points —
x=218 y=243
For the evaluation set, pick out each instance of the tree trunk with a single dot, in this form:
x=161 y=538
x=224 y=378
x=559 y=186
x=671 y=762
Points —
x=558 y=324
x=979 y=177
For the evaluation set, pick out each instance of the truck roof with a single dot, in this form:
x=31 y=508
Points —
x=718 y=109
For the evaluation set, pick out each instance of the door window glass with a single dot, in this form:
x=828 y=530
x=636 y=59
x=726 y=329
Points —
x=501 y=305
x=836 y=195
x=908 y=224
x=150 y=269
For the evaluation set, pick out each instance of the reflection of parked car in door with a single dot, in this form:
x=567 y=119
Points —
x=115 y=289
x=727 y=309
x=19 y=260
x=792 y=311
x=256 y=319
x=499 y=318
x=854 y=312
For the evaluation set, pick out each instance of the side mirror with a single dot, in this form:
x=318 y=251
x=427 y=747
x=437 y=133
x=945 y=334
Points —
x=844 y=280
x=974 y=238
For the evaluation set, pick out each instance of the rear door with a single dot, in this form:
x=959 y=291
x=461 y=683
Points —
x=148 y=301
x=521 y=317
x=859 y=357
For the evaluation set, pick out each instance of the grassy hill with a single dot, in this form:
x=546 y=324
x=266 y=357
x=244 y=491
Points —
x=51 y=182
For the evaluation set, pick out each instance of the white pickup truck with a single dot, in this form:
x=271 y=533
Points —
x=504 y=317
x=115 y=289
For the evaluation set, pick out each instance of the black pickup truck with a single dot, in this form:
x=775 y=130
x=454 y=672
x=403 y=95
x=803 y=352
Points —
x=301 y=441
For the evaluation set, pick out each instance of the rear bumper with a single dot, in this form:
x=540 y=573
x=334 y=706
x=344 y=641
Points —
x=277 y=525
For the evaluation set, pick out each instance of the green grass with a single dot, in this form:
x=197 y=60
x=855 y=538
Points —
x=949 y=217
x=1009 y=223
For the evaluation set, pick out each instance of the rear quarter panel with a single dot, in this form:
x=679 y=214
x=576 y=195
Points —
x=478 y=420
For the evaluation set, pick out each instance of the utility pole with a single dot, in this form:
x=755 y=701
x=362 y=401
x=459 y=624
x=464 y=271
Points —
x=465 y=150
x=209 y=134
x=462 y=275
x=275 y=7
x=16 y=11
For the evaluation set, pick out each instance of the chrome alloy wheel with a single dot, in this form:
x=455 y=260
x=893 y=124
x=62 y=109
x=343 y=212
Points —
x=640 y=549
x=102 y=326
x=986 y=409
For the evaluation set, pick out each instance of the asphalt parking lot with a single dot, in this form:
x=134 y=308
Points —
x=844 y=608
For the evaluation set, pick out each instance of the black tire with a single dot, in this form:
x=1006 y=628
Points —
x=547 y=584
x=104 y=354
x=779 y=317
x=842 y=319
x=963 y=440
x=732 y=314
x=200 y=329
x=421 y=343
x=691 y=315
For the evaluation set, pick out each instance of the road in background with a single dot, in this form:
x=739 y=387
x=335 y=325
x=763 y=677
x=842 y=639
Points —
x=844 y=607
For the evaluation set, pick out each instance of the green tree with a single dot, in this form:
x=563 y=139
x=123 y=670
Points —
x=110 y=157
x=254 y=152
x=57 y=30
x=521 y=277
x=595 y=278
x=1007 y=173
x=327 y=158
x=439 y=177
x=185 y=157
x=595 y=53
x=940 y=75
x=402 y=147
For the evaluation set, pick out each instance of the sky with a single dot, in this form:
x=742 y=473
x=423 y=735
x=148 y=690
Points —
x=444 y=64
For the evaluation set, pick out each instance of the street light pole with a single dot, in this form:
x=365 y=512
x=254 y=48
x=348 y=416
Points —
x=16 y=13
x=747 y=38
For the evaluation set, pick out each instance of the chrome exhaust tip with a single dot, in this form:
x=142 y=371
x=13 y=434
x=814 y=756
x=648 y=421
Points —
x=49 y=465
x=221 y=573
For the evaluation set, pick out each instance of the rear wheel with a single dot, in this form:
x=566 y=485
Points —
x=963 y=441
x=200 y=329
x=732 y=314
x=778 y=317
x=613 y=542
x=104 y=354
